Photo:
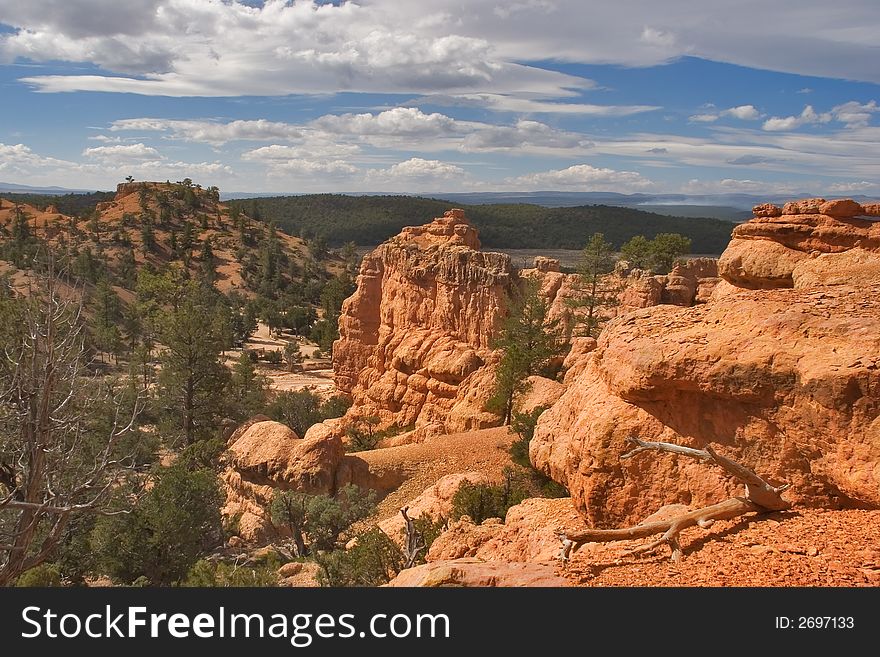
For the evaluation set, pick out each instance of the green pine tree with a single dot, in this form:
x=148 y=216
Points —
x=529 y=342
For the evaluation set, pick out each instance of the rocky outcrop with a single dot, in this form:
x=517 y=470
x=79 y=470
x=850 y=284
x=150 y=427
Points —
x=415 y=338
x=268 y=456
x=784 y=380
x=415 y=346
x=530 y=532
x=473 y=572
x=434 y=503
x=770 y=250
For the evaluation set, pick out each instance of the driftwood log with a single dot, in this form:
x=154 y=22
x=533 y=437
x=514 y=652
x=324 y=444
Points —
x=759 y=497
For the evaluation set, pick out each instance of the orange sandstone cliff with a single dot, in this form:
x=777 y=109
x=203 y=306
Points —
x=415 y=338
x=784 y=380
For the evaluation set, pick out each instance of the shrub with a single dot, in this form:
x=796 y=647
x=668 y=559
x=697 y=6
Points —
x=538 y=484
x=300 y=409
x=374 y=560
x=315 y=522
x=176 y=522
x=481 y=501
x=220 y=574
x=46 y=574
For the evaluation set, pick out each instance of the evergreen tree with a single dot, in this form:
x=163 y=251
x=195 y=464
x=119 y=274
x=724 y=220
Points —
x=148 y=238
x=192 y=381
x=657 y=255
x=107 y=314
x=248 y=389
x=292 y=356
x=597 y=260
x=209 y=264
x=529 y=343
x=128 y=269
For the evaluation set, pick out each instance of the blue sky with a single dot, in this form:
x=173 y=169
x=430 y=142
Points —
x=385 y=95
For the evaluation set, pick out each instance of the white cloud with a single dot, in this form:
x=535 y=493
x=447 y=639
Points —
x=416 y=171
x=108 y=165
x=398 y=122
x=740 y=186
x=582 y=177
x=860 y=187
x=229 y=48
x=206 y=48
x=315 y=150
x=807 y=117
x=531 y=135
x=304 y=167
x=741 y=112
x=399 y=128
x=854 y=114
x=301 y=161
x=530 y=103
x=211 y=132
x=418 y=167
x=122 y=154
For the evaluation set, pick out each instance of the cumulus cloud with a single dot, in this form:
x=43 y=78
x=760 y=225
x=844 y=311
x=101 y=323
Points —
x=852 y=114
x=398 y=122
x=855 y=114
x=122 y=154
x=202 y=48
x=741 y=112
x=416 y=171
x=102 y=170
x=582 y=177
x=808 y=117
x=418 y=167
x=339 y=135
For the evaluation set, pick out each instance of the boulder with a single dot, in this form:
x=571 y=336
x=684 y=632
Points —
x=476 y=573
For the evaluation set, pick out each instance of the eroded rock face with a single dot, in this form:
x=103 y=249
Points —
x=785 y=380
x=528 y=533
x=770 y=250
x=268 y=456
x=473 y=572
x=415 y=337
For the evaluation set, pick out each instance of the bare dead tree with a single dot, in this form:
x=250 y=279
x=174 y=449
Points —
x=415 y=540
x=760 y=497
x=54 y=462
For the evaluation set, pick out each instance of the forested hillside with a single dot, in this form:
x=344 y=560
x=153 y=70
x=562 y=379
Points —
x=368 y=220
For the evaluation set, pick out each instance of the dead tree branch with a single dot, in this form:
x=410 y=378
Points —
x=759 y=497
x=415 y=541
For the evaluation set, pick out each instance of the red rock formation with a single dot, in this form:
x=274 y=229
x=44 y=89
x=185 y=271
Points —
x=473 y=573
x=415 y=337
x=786 y=381
x=268 y=456
x=529 y=533
x=767 y=251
